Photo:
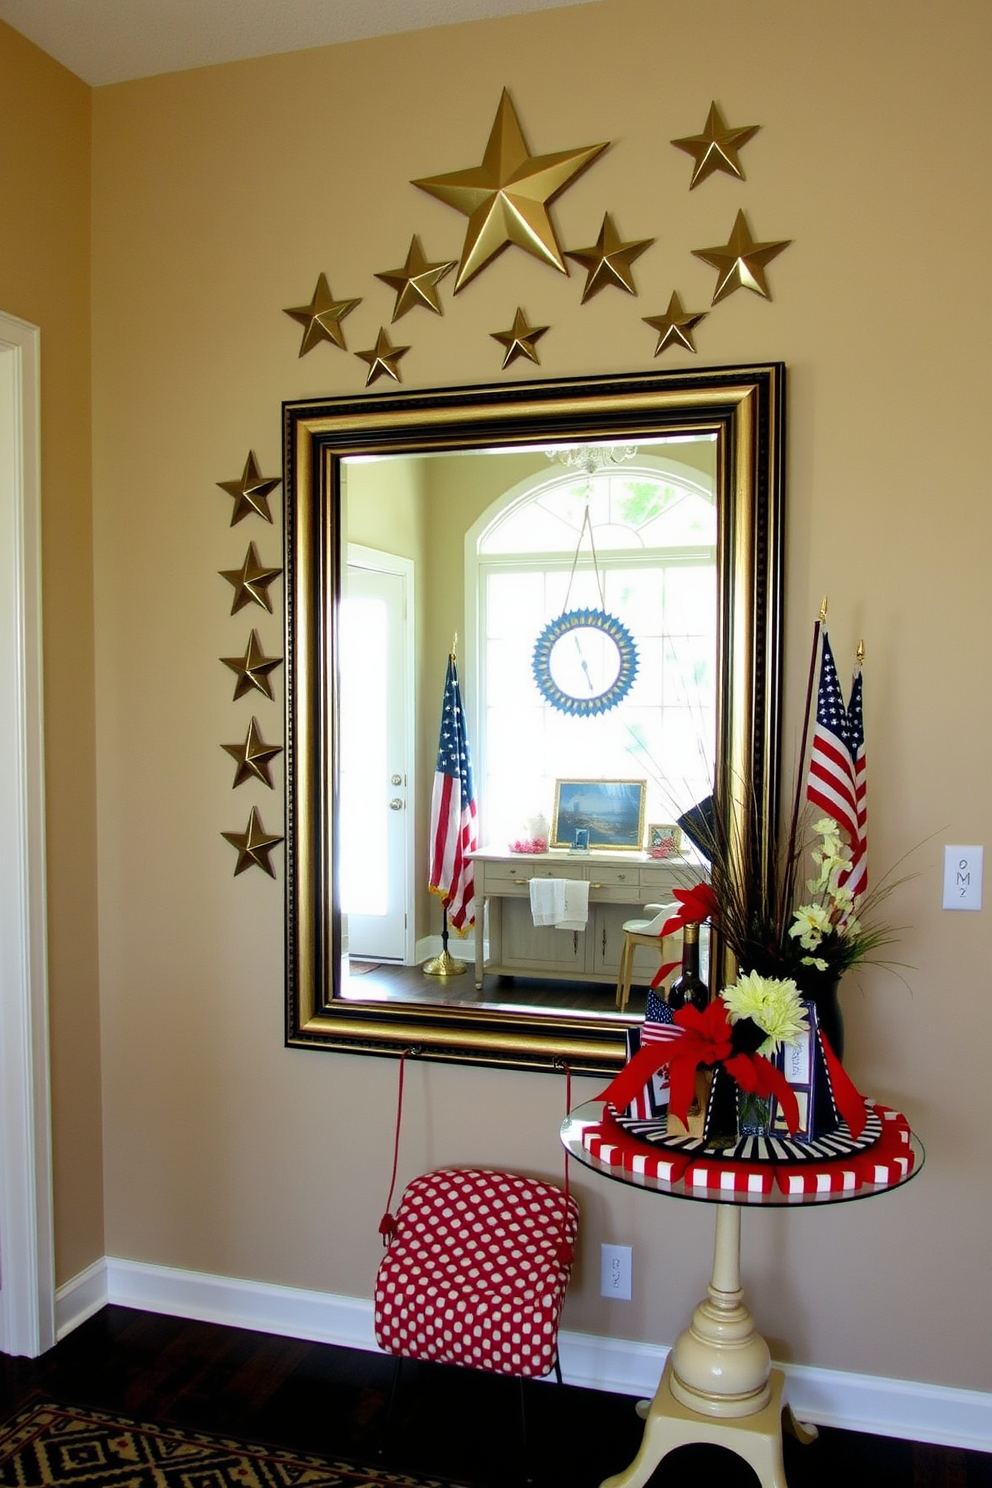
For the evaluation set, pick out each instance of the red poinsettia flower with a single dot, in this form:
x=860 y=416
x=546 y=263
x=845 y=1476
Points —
x=695 y=905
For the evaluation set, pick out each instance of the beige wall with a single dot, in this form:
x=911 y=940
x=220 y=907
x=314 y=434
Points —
x=218 y=196
x=45 y=279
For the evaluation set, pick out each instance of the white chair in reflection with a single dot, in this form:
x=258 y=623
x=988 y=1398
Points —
x=645 y=932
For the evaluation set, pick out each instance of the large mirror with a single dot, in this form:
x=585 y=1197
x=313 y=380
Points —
x=550 y=537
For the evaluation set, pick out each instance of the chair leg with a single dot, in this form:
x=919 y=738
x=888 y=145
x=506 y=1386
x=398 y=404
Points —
x=528 y=1476
x=390 y=1403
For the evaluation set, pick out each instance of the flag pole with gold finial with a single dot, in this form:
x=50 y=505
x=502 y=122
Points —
x=445 y=964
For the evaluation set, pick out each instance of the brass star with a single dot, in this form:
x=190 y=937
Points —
x=716 y=148
x=382 y=358
x=506 y=198
x=253 y=668
x=253 y=845
x=322 y=318
x=416 y=282
x=251 y=491
x=251 y=581
x=740 y=262
x=609 y=260
x=676 y=326
x=519 y=339
x=252 y=757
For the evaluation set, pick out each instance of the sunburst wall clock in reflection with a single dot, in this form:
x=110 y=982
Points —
x=585 y=662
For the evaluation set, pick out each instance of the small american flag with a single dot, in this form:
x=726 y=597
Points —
x=836 y=781
x=657 y=1028
x=454 y=831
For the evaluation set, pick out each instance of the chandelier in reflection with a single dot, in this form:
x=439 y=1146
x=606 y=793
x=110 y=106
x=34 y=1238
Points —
x=591 y=458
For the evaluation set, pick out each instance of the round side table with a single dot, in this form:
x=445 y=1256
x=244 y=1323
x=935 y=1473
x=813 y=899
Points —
x=717 y=1385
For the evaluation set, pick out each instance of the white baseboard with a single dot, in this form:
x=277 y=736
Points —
x=904 y=1409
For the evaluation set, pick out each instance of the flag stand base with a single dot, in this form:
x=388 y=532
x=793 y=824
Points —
x=444 y=965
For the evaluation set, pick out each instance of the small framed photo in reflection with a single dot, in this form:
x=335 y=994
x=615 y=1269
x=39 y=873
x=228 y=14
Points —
x=664 y=840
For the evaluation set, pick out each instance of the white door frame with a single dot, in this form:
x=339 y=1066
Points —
x=27 y=1250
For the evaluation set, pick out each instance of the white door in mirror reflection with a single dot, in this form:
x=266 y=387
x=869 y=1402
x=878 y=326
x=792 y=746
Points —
x=376 y=781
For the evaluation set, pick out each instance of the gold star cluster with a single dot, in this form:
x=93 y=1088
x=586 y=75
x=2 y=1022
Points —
x=506 y=201
x=253 y=668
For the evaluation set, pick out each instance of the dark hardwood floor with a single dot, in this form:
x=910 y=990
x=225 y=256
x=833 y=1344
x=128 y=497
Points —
x=451 y=1422
x=383 y=981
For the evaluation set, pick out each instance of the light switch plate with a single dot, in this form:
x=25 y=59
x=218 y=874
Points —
x=963 y=877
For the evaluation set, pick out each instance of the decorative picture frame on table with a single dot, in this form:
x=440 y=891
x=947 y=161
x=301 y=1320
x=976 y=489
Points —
x=664 y=840
x=610 y=811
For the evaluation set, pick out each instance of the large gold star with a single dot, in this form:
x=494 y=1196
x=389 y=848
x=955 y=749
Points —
x=609 y=260
x=740 y=262
x=254 y=845
x=416 y=282
x=676 y=326
x=252 y=757
x=382 y=358
x=251 y=581
x=321 y=319
x=251 y=492
x=716 y=148
x=253 y=668
x=506 y=198
x=519 y=339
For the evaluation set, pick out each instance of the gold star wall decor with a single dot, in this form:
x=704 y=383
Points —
x=740 y=262
x=252 y=669
x=416 y=282
x=520 y=339
x=608 y=261
x=252 y=757
x=321 y=319
x=716 y=149
x=251 y=581
x=382 y=358
x=506 y=198
x=253 y=845
x=676 y=326
x=251 y=492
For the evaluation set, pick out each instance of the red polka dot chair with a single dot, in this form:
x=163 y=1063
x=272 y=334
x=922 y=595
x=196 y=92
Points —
x=475 y=1273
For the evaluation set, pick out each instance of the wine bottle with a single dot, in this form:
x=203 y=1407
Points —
x=688 y=986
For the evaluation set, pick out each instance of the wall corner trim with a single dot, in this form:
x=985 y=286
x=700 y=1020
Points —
x=906 y=1409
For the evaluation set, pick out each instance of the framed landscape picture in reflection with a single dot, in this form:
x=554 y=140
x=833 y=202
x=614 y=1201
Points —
x=610 y=811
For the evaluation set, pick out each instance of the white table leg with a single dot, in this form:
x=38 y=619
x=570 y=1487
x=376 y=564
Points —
x=718 y=1385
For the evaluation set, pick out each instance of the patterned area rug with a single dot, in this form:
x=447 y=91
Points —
x=65 y=1446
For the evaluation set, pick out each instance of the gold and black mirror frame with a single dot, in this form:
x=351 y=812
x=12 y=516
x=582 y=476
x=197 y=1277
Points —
x=742 y=408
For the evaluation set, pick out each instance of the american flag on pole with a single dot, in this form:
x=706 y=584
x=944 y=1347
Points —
x=454 y=831
x=836 y=781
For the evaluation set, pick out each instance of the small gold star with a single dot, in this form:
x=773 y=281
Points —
x=321 y=319
x=253 y=845
x=519 y=339
x=416 y=282
x=251 y=491
x=506 y=198
x=252 y=757
x=740 y=262
x=676 y=326
x=253 y=668
x=716 y=148
x=609 y=260
x=251 y=581
x=382 y=358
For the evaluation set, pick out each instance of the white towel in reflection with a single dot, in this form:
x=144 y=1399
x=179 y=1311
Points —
x=576 y=909
x=547 y=900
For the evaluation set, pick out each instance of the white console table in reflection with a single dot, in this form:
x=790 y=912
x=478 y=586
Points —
x=620 y=885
